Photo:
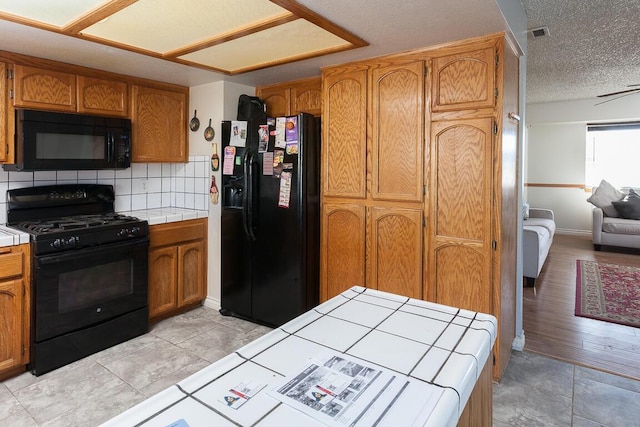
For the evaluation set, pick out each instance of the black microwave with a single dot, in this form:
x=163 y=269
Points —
x=47 y=140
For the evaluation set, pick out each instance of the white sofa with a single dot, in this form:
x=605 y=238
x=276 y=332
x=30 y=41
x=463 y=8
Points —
x=611 y=231
x=537 y=236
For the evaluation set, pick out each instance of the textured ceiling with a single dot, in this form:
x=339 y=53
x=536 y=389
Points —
x=593 y=48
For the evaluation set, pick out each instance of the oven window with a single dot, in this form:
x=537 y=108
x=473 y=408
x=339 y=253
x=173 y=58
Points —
x=69 y=146
x=94 y=285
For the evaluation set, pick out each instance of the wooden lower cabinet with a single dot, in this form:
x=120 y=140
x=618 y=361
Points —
x=15 y=309
x=377 y=247
x=177 y=267
x=342 y=259
x=395 y=251
x=479 y=408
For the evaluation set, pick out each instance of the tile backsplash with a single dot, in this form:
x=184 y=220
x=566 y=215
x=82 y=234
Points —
x=142 y=186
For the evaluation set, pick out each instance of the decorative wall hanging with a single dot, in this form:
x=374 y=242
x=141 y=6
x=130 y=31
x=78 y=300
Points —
x=209 y=133
x=194 y=124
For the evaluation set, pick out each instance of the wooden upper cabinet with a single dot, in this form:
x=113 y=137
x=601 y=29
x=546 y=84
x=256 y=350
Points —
x=159 y=125
x=277 y=100
x=462 y=194
x=306 y=97
x=342 y=258
x=44 y=89
x=293 y=98
x=344 y=136
x=104 y=97
x=395 y=241
x=464 y=80
x=5 y=147
x=397 y=118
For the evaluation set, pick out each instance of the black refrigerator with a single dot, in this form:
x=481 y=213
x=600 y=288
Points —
x=270 y=230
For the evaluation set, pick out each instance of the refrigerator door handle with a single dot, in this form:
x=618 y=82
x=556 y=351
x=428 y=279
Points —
x=247 y=195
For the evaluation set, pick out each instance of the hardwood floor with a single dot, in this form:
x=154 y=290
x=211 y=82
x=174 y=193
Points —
x=549 y=323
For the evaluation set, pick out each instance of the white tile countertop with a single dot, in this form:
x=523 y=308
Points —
x=426 y=359
x=11 y=237
x=162 y=215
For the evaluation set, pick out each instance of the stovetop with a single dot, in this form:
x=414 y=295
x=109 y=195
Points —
x=64 y=217
x=76 y=222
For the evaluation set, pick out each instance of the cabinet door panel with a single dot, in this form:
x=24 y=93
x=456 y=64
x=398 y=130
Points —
x=44 y=89
x=342 y=249
x=396 y=251
x=190 y=272
x=344 y=145
x=4 y=139
x=398 y=132
x=462 y=277
x=11 y=319
x=163 y=267
x=158 y=125
x=277 y=101
x=464 y=81
x=97 y=96
x=461 y=209
x=307 y=98
x=462 y=154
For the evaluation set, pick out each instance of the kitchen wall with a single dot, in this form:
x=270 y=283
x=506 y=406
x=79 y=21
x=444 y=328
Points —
x=216 y=101
x=142 y=186
x=555 y=154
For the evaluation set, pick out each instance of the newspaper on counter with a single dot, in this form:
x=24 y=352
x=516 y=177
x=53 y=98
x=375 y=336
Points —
x=339 y=390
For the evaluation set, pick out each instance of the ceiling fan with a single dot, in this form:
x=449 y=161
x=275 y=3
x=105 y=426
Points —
x=634 y=88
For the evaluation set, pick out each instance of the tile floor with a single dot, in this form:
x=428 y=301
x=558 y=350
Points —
x=535 y=390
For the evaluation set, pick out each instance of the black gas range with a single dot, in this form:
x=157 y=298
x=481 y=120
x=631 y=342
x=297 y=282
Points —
x=89 y=271
x=62 y=217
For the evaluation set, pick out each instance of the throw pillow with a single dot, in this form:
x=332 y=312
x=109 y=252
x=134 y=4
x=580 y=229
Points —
x=603 y=196
x=630 y=207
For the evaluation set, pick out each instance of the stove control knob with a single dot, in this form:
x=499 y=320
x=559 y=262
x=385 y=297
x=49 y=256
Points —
x=57 y=243
x=123 y=232
x=72 y=242
x=135 y=231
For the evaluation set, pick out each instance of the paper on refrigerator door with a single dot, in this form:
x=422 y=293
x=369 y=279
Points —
x=228 y=160
x=238 y=134
x=285 y=190
x=279 y=137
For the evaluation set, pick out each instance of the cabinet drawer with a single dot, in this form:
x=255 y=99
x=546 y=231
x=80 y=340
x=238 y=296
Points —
x=10 y=264
x=176 y=232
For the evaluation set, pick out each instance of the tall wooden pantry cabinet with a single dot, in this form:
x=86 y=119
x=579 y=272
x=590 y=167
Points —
x=419 y=163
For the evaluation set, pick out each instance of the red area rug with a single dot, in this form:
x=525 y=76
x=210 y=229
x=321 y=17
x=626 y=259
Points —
x=608 y=292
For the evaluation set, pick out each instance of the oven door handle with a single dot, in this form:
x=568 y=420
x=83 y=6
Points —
x=73 y=254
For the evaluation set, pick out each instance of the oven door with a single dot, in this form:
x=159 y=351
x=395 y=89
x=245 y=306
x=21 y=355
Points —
x=88 y=286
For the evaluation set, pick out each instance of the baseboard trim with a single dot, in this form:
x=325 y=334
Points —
x=572 y=232
x=518 y=342
x=213 y=303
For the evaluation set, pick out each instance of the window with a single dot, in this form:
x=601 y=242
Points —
x=613 y=153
